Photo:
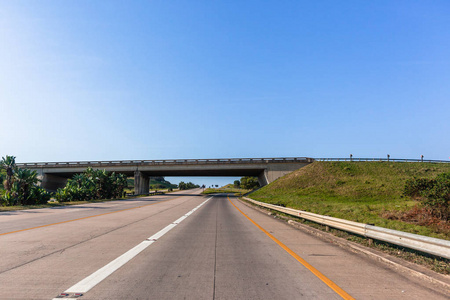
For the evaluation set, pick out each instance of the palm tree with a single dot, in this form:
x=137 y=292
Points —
x=79 y=179
x=118 y=183
x=25 y=179
x=102 y=183
x=122 y=183
x=9 y=164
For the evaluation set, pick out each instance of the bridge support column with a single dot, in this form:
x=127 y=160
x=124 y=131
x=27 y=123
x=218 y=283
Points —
x=141 y=183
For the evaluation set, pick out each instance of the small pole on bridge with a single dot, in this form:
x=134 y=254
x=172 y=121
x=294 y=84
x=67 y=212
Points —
x=388 y=156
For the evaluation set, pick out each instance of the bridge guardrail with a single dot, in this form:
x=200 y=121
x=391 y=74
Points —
x=434 y=246
x=167 y=162
x=353 y=159
x=215 y=161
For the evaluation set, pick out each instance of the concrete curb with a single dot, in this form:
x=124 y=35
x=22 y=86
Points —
x=438 y=280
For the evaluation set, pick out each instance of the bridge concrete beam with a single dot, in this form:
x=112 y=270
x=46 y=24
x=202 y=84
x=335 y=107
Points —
x=54 y=175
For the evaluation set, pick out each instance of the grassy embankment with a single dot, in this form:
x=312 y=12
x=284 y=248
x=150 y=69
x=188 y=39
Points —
x=366 y=192
x=229 y=188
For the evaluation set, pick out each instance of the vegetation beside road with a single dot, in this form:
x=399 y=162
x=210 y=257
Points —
x=240 y=187
x=228 y=189
x=155 y=183
x=93 y=184
x=187 y=185
x=366 y=192
x=20 y=185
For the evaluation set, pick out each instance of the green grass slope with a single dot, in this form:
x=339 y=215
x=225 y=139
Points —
x=367 y=192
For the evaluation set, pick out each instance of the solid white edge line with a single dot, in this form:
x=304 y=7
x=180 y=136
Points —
x=95 y=278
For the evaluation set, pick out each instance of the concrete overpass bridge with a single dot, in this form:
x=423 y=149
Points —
x=55 y=174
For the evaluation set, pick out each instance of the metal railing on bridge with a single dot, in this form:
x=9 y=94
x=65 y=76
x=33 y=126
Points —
x=169 y=162
x=384 y=159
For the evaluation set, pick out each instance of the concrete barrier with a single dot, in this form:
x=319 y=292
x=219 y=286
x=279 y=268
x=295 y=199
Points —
x=434 y=246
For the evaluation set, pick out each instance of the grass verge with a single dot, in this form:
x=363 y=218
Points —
x=226 y=189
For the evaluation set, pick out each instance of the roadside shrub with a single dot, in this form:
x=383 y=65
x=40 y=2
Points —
x=39 y=195
x=62 y=195
x=249 y=182
x=434 y=194
x=437 y=198
x=93 y=184
x=186 y=186
x=414 y=187
x=8 y=199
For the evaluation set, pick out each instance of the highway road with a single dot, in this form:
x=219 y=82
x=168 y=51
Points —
x=183 y=245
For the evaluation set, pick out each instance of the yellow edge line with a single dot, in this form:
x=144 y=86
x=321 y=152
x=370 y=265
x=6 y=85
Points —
x=316 y=272
x=68 y=221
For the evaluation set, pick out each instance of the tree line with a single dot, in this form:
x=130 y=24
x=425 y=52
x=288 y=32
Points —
x=247 y=183
x=93 y=184
x=21 y=186
x=186 y=186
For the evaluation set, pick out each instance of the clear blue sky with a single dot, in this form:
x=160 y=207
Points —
x=101 y=80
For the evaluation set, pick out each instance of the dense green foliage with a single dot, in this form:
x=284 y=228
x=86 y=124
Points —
x=20 y=185
x=367 y=192
x=249 y=183
x=434 y=194
x=93 y=184
x=159 y=183
x=2 y=178
x=155 y=183
x=186 y=186
x=237 y=184
x=227 y=189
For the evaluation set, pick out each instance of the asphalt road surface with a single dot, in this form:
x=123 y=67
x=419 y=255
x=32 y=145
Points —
x=182 y=246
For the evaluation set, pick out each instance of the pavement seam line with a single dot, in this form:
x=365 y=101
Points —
x=313 y=270
x=83 y=218
x=98 y=276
